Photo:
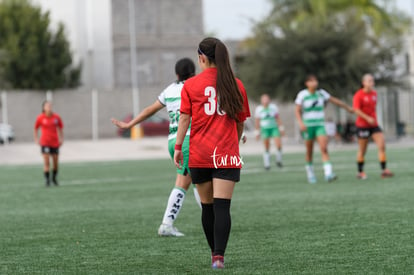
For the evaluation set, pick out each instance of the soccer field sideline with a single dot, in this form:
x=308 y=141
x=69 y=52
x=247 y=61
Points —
x=146 y=148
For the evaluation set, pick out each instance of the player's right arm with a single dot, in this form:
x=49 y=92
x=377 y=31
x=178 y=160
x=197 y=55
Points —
x=35 y=136
x=183 y=125
x=298 y=111
x=146 y=113
x=298 y=114
x=366 y=117
x=357 y=110
x=36 y=132
x=257 y=123
x=257 y=127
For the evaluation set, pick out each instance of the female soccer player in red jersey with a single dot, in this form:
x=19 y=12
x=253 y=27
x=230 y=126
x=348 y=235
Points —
x=216 y=104
x=51 y=139
x=365 y=103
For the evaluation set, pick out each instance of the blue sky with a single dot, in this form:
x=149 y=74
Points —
x=231 y=19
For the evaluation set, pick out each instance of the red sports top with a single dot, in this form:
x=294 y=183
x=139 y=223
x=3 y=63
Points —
x=367 y=103
x=48 y=126
x=213 y=138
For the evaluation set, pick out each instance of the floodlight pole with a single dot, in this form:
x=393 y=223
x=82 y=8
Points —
x=133 y=57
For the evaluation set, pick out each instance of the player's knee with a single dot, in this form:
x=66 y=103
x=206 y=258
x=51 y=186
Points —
x=183 y=182
x=182 y=185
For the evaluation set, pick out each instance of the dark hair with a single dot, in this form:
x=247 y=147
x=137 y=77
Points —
x=229 y=97
x=310 y=77
x=184 y=69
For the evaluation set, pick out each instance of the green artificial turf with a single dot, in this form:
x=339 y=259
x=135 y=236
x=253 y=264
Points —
x=104 y=217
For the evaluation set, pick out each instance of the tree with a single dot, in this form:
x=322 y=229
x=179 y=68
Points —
x=2 y=81
x=35 y=57
x=296 y=13
x=334 y=39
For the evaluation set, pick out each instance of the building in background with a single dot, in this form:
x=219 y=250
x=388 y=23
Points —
x=99 y=34
x=88 y=24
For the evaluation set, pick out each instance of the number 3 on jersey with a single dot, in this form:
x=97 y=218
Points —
x=212 y=106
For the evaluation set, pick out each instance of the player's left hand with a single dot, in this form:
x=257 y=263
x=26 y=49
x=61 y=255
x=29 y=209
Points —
x=243 y=138
x=178 y=158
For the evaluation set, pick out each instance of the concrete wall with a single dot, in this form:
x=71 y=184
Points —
x=75 y=108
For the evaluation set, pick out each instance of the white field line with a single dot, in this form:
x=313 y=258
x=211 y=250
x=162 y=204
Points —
x=103 y=180
x=248 y=169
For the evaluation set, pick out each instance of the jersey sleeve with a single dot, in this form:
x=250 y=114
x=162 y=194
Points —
x=275 y=110
x=257 y=112
x=161 y=98
x=299 y=99
x=37 y=123
x=243 y=115
x=356 y=103
x=185 y=107
x=325 y=95
x=60 y=122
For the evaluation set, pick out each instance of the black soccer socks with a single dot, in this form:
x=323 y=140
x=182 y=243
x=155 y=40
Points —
x=54 y=177
x=207 y=220
x=360 y=166
x=222 y=225
x=46 y=173
x=383 y=165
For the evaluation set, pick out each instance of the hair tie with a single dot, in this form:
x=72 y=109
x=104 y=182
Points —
x=202 y=53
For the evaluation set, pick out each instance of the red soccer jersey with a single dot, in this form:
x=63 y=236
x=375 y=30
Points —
x=213 y=138
x=48 y=126
x=367 y=103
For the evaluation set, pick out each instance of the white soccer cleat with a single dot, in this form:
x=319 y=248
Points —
x=166 y=230
x=330 y=178
x=312 y=179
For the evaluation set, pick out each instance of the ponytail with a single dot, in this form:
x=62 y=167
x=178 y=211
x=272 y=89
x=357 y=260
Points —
x=229 y=97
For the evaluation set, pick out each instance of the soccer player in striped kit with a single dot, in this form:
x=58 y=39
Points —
x=216 y=104
x=365 y=104
x=310 y=114
x=171 y=99
x=269 y=126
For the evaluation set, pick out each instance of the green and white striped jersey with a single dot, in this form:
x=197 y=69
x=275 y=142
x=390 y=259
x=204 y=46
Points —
x=171 y=99
x=267 y=116
x=313 y=106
